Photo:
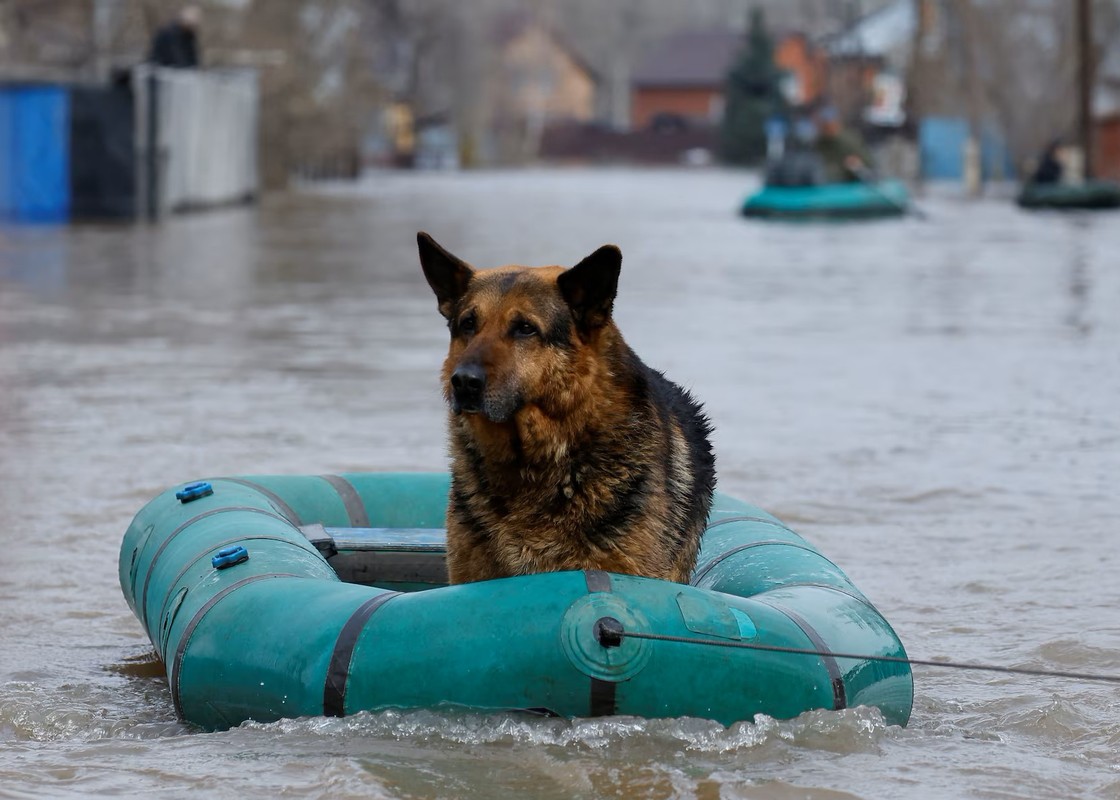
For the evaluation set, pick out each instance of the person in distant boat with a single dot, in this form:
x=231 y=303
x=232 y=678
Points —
x=799 y=164
x=1050 y=167
x=843 y=155
x=176 y=43
x=819 y=152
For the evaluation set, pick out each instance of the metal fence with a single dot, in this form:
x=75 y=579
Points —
x=196 y=138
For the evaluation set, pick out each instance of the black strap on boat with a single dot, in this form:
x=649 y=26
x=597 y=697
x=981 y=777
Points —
x=286 y=510
x=597 y=580
x=338 y=672
x=185 y=639
x=603 y=700
x=839 y=692
x=355 y=508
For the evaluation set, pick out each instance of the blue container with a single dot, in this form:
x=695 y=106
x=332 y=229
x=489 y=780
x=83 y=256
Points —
x=34 y=153
x=942 y=140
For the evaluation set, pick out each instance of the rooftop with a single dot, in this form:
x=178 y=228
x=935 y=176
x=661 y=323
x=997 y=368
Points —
x=689 y=59
x=877 y=33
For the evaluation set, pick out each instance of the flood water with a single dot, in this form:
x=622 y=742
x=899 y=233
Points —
x=935 y=404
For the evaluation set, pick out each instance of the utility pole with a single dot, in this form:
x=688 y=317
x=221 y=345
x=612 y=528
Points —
x=1086 y=79
x=916 y=77
x=102 y=19
x=973 y=160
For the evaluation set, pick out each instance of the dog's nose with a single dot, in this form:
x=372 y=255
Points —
x=468 y=382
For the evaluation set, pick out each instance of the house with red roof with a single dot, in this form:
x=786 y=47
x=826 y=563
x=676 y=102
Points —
x=680 y=81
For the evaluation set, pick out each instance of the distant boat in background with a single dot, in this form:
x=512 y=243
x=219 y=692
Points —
x=1089 y=195
x=829 y=201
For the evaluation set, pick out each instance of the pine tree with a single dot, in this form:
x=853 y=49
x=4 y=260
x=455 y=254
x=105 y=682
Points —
x=751 y=96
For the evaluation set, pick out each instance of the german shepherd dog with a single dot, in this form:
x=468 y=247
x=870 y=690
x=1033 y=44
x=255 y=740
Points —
x=567 y=452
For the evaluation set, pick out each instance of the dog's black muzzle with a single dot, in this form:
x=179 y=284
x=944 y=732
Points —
x=468 y=382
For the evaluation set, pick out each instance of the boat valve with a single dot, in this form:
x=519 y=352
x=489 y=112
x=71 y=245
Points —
x=608 y=632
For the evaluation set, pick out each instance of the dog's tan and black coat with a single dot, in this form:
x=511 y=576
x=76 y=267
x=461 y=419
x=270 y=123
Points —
x=567 y=452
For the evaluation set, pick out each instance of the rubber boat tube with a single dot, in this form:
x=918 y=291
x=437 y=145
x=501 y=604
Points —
x=1089 y=196
x=830 y=201
x=237 y=583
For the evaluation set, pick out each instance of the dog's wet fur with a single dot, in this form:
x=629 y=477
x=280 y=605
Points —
x=567 y=452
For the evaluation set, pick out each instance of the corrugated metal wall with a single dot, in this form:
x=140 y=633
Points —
x=204 y=128
x=177 y=139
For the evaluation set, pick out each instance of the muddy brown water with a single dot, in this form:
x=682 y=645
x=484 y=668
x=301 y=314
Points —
x=935 y=404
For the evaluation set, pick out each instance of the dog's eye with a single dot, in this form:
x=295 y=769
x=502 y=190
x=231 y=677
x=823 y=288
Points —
x=468 y=324
x=523 y=329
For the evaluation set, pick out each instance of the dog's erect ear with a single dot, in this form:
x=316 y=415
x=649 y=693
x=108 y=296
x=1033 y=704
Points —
x=590 y=286
x=447 y=275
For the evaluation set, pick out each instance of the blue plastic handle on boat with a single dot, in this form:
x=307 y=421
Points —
x=194 y=491
x=229 y=557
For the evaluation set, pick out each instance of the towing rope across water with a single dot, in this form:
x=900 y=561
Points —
x=616 y=636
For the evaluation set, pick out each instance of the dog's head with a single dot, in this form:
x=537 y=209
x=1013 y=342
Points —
x=517 y=333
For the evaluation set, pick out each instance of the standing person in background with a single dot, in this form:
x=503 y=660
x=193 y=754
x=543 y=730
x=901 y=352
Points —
x=176 y=43
x=1050 y=167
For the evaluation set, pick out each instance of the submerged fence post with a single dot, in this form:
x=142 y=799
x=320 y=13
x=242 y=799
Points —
x=1086 y=79
x=151 y=187
x=145 y=88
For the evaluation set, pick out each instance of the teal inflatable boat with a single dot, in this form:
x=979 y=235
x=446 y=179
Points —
x=1090 y=195
x=830 y=201
x=279 y=596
